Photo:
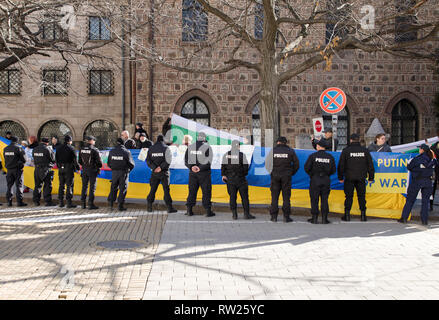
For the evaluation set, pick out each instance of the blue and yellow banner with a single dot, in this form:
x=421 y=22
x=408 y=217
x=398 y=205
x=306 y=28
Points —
x=385 y=196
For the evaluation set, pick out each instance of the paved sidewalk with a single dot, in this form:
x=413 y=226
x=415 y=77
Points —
x=52 y=253
x=217 y=258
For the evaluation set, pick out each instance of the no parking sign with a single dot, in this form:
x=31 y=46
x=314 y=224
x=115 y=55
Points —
x=332 y=100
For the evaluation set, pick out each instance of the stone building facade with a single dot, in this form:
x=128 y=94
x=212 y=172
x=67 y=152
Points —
x=397 y=91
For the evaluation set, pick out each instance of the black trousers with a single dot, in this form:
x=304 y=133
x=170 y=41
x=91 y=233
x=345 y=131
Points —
x=43 y=177
x=319 y=189
x=89 y=176
x=66 y=177
x=197 y=180
x=15 y=176
x=155 y=180
x=241 y=185
x=119 y=181
x=280 y=184
x=360 y=186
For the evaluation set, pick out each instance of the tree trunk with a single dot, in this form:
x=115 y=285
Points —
x=269 y=97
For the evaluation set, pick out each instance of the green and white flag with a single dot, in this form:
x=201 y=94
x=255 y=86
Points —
x=181 y=126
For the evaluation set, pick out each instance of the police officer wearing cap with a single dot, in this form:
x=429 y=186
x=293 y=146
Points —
x=90 y=160
x=159 y=159
x=14 y=162
x=67 y=164
x=354 y=167
x=44 y=159
x=198 y=159
x=320 y=166
x=421 y=168
x=282 y=163
x=121 y=163
x=234 y=169
x=327 y=139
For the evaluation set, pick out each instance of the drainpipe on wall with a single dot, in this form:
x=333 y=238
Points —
x=151 y=70
x=123 y=75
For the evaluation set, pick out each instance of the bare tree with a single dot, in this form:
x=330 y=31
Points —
x=284 y=36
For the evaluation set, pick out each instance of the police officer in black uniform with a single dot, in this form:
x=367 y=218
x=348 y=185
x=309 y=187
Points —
x=121 y=163
x=355 y=166
x=90 y=160
x=159 y=159
x=282 y=163
x=67 y=164
x=320 y=166
x=14 y=162
x=198 y=158
x=44 y=159
x=422 y=170
x=234 y=169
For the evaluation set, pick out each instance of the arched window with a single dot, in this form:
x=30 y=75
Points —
x=14 y=127
x=404 y=123
x=343 y=126
x=54 y=128
x=105 y=133
x=196 y=110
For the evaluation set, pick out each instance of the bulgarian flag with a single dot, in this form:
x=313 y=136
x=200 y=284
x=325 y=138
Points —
x=413 y=146
x=181 y=126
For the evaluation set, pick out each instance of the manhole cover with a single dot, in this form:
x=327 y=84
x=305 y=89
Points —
x=121 y=244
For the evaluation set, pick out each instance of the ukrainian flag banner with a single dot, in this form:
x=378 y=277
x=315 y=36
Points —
x=385 y=196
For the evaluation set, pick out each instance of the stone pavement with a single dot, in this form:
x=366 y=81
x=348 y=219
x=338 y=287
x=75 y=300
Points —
x=216 y=258
x=52 y=253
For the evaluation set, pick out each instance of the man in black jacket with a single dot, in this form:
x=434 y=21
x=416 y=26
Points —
x=121 y=163
x=44 y=159
x=282 y=163
x=234 y=169
x=143 y=142
x=90 y=160
x=198 y=159
x=158 y=160
x=67 y=164
x=128 y=142
x=14 y=162
x=327 y=139
x=320 y=166
x=355 y=166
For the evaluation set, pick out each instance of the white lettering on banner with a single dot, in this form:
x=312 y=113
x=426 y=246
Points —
x=280 y=155
x=157 y=154
x=323 y=160
x=357 y=155
x=38 y=154
x=9 y=154
x=116 y=158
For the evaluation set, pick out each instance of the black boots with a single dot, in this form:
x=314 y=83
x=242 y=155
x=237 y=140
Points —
x=21 y=204
x=171 y=209
x=248 y=216
x=325 y=219
x=83 y=205
x=402 y=220
x=61 y=203
x=235 y=214
x=287 y=219
x=111 y=204
x=314 y=219
x=50 y=204
x=149 y=207
x=189 y=212
x=121 y=207
x=273 y=218
x=70 y=204
x=92 y=206
x=209 y=213
x=363 y=216
x=347 y=216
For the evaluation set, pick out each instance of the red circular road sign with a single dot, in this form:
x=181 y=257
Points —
x=333 y=100
x=318 y=126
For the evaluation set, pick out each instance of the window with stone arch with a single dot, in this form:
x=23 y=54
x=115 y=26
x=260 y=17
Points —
x=404 y=123
x=14 y=127
x=105 y=132
x=196 y=110
x=343 y=126
x=256 y=124
x=54 y=128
